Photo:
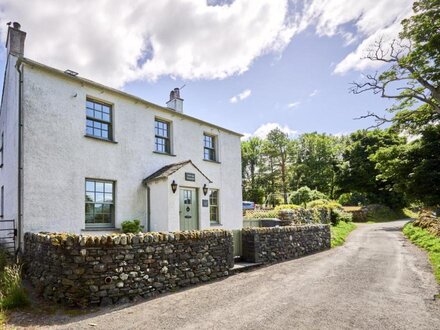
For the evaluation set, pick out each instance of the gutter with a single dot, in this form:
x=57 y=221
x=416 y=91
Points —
x=20 y=154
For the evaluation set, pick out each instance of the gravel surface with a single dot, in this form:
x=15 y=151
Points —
x=377 y=280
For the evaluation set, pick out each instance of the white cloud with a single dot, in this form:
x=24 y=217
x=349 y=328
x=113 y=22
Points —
x=314 y=93
x=114 y=43
x=241 y=96
x=264 y=129
x=293 y=104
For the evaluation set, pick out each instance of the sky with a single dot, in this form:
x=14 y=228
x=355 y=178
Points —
x=247 y=65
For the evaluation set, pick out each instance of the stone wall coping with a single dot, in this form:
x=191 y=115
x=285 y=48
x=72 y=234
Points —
x=66 y=239
x=268 y=230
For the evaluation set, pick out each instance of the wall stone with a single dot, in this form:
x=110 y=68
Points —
x=270 y=245
x=91 y=270
x=301 y=215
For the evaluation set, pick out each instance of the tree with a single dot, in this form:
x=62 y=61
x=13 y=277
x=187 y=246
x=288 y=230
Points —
x=413 y=75
x=314 y=161
x=277 y=147
x=304 y=195
x=414 y=168
x=251 y=161
x=358 y=171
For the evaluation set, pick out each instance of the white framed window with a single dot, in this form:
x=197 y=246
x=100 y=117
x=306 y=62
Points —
x=99 y=203
x=209 y=147
x=162 y=136
x=214 y=214
x=99 y=120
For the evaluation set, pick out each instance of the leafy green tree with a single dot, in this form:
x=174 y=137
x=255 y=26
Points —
x=413 y=168
x=277 y=145
x=314 y=161
x=305 y=195
x=358 y=171
x=251 y=161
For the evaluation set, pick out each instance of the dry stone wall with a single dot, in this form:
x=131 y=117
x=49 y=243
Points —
x=270 y=245
x=90 y=270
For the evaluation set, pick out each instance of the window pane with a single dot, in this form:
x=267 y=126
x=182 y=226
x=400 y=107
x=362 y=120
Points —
x=108 y=198
x=90 y=197
x=106 y=117
x=109 y=187
x=99 y=197
x=100 y=186
x=90 y=186
x=89 y=112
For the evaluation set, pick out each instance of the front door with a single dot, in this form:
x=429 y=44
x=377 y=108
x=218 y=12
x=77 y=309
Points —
x=188 y=209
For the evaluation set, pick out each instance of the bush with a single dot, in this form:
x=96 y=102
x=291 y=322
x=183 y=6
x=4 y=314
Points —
x=354 y=199
x=304 y=195
x=132 y=226
x=323 y=203
x=12 y=293
x=273 y=200
x=338 y=215
x=286 y=207
x=261 y=214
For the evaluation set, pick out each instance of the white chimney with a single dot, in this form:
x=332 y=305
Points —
x=175 y=102
x=15 y=39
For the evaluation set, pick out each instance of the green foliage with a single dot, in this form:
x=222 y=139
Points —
x=323 y=203
x=413 y=168
x=12 y=293
x=273 y=200
x=358 y=173
x=354 y=199
x=382 y=213
x=261 y=214
x=425 y=240
x=340 y=232
x=338 y=215
x=304 y=195
x=286 y=207
x=132 y=226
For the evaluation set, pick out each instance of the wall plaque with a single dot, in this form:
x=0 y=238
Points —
x=204 y=202
x=190 y=176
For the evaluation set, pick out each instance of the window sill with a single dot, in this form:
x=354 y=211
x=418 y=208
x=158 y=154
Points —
x=216 y=224
x=163 y=153
x=211 y=161
x=101 y=229
x=99 y=139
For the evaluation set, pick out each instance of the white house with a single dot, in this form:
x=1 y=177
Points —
x=78 y=156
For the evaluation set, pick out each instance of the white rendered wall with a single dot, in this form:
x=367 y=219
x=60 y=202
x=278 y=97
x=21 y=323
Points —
x=58 y=157
x=9 y=128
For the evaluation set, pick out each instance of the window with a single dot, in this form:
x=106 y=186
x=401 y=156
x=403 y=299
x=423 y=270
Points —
x=99 y=120
x=213 y=206
x=162 y=136
x=99 y=203
x=209 y=147
x=1 y=151
x=2 y=201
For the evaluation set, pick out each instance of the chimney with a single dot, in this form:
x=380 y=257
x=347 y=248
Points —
x=15 y=39
x=175 y=102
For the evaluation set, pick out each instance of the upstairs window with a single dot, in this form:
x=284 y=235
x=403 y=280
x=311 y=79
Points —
x=209 y=152
x=162 y=136
x=99 y=120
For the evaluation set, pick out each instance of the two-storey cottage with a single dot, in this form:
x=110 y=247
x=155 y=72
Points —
x=78 y=156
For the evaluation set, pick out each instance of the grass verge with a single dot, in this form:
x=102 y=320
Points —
x=340 y=232
x=385 y=214
x=426 y=241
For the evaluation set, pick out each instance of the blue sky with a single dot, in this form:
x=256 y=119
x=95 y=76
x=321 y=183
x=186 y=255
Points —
x=291 y=61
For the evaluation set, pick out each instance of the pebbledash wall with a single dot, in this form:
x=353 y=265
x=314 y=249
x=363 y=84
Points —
x=87 y=270
x=270 y=245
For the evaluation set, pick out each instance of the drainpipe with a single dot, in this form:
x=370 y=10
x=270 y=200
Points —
x=149 y=210
x=20 y=154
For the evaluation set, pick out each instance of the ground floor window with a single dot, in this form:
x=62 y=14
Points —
x=99 y=203
x=213 y=206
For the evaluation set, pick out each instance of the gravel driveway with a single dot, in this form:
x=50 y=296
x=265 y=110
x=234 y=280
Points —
x=377 y=280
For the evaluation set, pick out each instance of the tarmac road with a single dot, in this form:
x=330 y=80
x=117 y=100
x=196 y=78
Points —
x=377 y=280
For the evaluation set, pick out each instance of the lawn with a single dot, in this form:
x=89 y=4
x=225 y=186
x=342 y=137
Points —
x=428 y=242
x=340 y=232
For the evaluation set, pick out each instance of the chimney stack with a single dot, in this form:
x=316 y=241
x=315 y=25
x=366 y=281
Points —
x=15 y=39
x=175 y=102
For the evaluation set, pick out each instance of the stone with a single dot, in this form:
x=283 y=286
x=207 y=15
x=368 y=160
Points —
x=106 y=301
x=123 y=276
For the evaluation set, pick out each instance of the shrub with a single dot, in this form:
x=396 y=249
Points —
x=304 y=195
x=273 y=200
x=132 y=226
x=338 y=215
x=353 y=199
x=286 y=207
x=329 y=204
x=12 y=293
x=261 y=214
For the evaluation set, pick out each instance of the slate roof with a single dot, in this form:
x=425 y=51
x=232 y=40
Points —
x=170 y=169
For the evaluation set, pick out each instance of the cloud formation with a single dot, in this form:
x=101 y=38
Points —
x=293 y=104
x=241 y=96
x=264 y=129
x=114 y=42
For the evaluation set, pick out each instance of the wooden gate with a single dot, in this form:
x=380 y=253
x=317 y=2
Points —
x=8 y=234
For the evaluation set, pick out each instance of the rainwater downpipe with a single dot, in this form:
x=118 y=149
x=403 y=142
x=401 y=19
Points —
x=20 y=154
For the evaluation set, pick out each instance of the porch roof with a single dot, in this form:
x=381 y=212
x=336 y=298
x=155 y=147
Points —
x=170 y=169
